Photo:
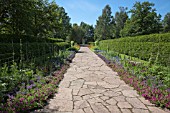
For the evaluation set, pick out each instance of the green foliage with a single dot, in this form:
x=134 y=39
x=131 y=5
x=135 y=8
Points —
x=144 y=20
x=52 y=40
x=76 y=34
x=147 y=47
x=81 y=34
x=72 y=49
x=96 y=43
x=62 y=45
x=103 y=25
x=39 y=18
x=88 y=32
x=120 y=19
x=166 y=23
x=72 y=43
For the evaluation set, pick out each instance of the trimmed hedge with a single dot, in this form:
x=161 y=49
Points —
x=147 y=38
x=29 y=50
x=8 y=38
x=142 y=47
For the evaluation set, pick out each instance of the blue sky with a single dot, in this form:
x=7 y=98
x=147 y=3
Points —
x=88 y=11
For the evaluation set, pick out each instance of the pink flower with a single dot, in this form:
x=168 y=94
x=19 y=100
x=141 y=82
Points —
x=21 y=99
x=154 y=99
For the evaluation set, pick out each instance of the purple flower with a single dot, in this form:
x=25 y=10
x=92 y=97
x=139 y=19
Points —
x=11 y=96
x=29 y=87
x=31 y=82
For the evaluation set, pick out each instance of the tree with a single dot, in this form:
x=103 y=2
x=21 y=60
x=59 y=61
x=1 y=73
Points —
x=166 y=22
x=103 y=24
x=37 y=18
x=144 y=20
x=16 y=16
x=120 y=19
x=82 y=34
x=88 y=32
x=76 y=34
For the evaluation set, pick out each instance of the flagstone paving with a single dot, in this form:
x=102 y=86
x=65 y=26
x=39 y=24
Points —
x=90 y=86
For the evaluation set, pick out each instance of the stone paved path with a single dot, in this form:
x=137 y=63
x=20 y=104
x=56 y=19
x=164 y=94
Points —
x=90 y=86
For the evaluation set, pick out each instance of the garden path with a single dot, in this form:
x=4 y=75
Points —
x=90 y=86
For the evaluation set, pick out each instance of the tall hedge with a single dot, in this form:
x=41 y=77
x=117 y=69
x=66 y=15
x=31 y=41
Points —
x=11 y=46
x=143 y=47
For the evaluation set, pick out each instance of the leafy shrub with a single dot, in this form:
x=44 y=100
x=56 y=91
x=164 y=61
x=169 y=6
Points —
x=72 y=49
x=62 y=45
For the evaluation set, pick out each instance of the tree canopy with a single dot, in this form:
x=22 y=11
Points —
x=82 y=34
x=103 y=24
x=144 y=20
x=38 y=18
x=166 y=22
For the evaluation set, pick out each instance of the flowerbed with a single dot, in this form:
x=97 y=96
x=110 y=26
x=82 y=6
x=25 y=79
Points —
x=157 y=96
x=35 y=94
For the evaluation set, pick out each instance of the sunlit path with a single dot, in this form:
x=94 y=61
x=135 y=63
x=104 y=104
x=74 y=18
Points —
x=90 y=86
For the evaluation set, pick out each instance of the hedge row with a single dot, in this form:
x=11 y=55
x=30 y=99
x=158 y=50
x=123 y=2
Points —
x=139 y=48
x=147 y=38
x=29 y=50
x=9 y=38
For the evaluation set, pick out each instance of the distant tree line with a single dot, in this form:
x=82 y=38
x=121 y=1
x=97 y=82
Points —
x=82 y=33
x=42 y=19
x=143 y=20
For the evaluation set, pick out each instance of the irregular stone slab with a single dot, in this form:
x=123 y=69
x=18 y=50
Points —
x=91 y=83
x=77 y=84
x=93 y=78
x=64 y=94
x=105 y=68
x=140 y=111
x=123 y=105
x=86 y=97
x=120 y=98
x=77 y=98
x=94 y=69
x=136 y=103
x=96 y=91
x=130 y=93
x=84 y=91
x=111 y=93
x=85 y=86
x=81 y=104
x=126 y=111
x=64 y=84
x=61 y=105
x=125 y=87
x=78 y=111
x=113 y=109
x=99 y=108
x=88 y=110
x=146 y=102
x=111 y=101
x=96 y=100
x=75 y=91
x=104 y=98
x=116 y=89
x=156 y=110
x=106 y=85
